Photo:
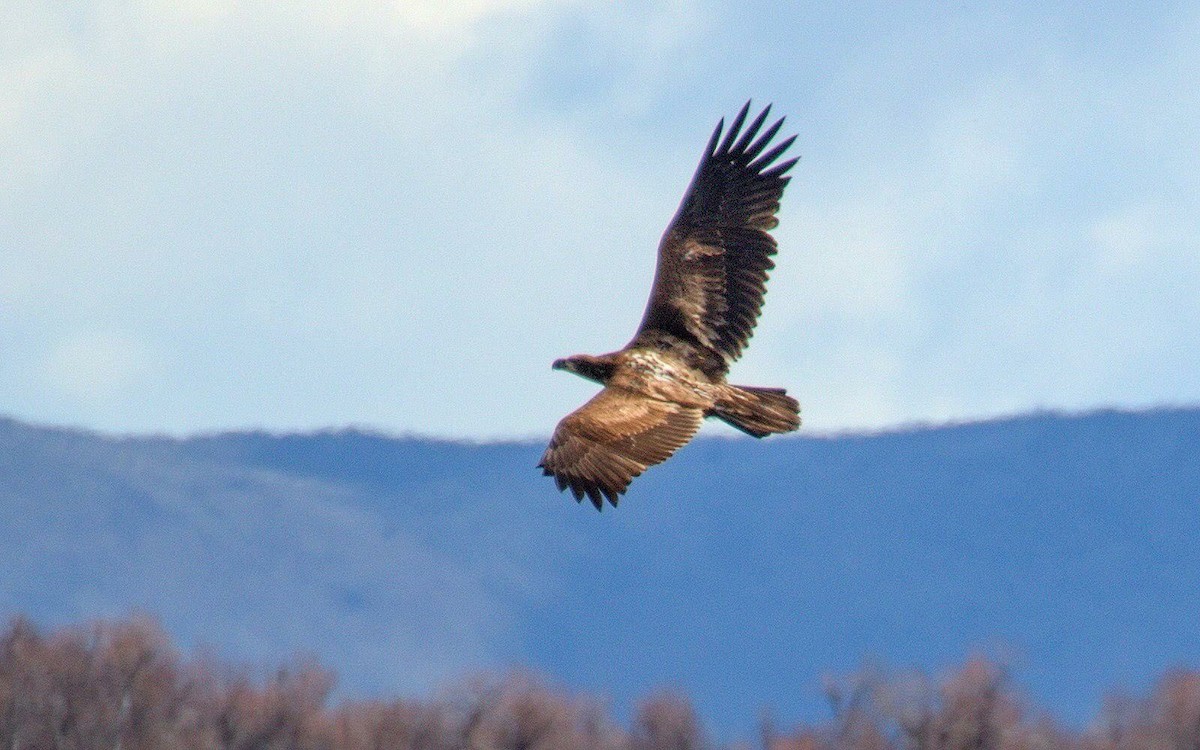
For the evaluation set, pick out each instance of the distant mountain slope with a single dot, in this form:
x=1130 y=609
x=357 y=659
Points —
x=741 y=570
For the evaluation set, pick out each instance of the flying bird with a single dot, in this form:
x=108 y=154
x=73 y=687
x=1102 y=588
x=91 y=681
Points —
x=713 y=264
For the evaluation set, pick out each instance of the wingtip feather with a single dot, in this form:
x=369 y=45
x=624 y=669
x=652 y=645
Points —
x=770 y=156
x=734 y=128
x=748 y=137
x=781 y=169
x=715 y=138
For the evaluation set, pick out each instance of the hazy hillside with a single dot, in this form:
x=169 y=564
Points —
x=740 y=571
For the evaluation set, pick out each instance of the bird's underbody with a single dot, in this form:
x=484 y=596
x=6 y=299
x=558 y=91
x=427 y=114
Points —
x=713 y=265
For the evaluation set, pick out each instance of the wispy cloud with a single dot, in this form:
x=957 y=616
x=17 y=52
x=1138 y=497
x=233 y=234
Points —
x=316 y=214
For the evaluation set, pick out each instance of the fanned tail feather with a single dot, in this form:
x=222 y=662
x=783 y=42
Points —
x=759 y=411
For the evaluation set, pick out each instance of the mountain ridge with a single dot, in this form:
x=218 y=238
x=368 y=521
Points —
x=740 y=570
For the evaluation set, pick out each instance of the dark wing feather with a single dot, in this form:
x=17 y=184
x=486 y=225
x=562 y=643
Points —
x=714 y=258
x=600 y=447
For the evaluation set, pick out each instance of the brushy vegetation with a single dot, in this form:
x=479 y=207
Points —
x=123 y=685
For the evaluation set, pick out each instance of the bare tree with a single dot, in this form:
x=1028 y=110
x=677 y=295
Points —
x=667 y=721
x=122 y=685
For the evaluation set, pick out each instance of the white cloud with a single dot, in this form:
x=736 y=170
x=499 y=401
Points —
x=1024 y=238
x=321 y=213
x=1134 y=239
x=34 y=124
x=437 y=15
x=417 y=33
x=93 y=366
x=267 y=214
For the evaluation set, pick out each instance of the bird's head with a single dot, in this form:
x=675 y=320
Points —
x=585 y=366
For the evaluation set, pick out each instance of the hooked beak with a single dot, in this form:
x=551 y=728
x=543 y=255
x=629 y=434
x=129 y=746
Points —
x=560 y=364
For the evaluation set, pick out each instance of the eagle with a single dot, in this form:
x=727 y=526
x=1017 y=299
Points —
x=713 y=264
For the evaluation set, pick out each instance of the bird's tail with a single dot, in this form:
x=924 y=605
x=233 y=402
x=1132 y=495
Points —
x=758 y=411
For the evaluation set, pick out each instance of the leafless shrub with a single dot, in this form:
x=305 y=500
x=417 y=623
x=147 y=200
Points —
x=398 y=725
x=521 y=712
x=123 y=685
x=1167 y=719
x=972 y=709
x=286 y=712
x=667 y=721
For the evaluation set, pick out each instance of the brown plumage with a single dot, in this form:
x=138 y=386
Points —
x=713 y=265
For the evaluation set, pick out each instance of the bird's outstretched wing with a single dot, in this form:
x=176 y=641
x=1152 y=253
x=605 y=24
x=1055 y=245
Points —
x=600 y=447
x=715 y=256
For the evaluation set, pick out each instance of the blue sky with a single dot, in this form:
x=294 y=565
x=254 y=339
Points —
x=219 y=214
